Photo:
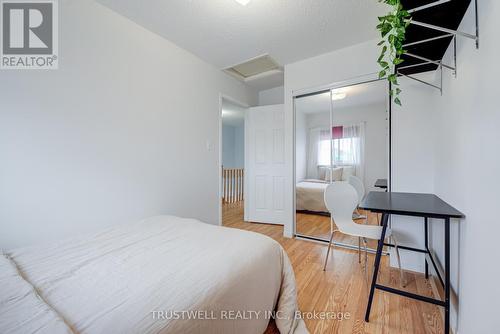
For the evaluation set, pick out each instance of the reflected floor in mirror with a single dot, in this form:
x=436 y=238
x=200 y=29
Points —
x=317 y=225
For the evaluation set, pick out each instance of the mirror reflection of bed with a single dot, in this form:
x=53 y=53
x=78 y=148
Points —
x=340 y=135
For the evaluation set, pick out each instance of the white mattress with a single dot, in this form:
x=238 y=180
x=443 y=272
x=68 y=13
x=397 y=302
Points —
x=310 y=195
x=114 y=281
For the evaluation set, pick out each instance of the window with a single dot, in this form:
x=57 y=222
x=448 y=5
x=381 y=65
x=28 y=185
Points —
x=324 y=155
x=344 y=151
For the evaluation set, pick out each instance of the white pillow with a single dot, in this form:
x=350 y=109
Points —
x=348 y=171
x=336 y=174
x=323 y=173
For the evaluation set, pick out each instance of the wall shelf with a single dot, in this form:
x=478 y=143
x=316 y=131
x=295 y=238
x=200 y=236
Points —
x=434 y=27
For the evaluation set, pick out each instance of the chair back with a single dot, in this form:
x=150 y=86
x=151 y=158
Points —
x=359 y=186
x=341 y=199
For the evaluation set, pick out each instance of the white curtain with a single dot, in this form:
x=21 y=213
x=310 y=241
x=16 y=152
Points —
x=312 y=153
x=354 y=145
x=319 y=153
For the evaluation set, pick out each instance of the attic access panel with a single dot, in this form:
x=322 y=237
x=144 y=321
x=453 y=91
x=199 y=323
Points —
x=447 y=15
x=253 y=67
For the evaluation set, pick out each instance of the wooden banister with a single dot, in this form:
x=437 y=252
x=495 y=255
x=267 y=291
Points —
x=232 y=184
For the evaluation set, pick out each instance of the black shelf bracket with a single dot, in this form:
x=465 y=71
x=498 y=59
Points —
x=440 y=87
x=447 y=33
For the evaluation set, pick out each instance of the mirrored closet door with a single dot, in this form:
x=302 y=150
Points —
x=313 y=164
x=341 y=136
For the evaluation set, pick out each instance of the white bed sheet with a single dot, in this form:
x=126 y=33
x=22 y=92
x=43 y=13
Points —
x=22 y=310
x=310 y=195
x=113 y=281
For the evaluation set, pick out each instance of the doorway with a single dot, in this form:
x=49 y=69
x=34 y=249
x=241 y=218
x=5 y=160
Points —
x=232 y=160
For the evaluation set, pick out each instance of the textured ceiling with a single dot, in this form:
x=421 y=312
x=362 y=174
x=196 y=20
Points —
x=224 y=33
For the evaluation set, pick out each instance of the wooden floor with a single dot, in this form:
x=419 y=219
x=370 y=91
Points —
x=319 y=226
x=344 y=287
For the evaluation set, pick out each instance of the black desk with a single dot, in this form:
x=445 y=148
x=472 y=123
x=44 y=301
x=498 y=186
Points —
x=381 y=183
x=416 y=205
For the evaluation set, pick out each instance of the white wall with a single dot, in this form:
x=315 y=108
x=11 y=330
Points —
x=115 y=135
x=376 y=130
x=227 y=146
x=458 y=144
x=233 y=146
x=466 y=166
x=271 y=96
x=239 y=146
x=413 y=161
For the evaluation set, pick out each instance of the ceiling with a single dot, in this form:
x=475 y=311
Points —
x=225 y=33
x=358 y=95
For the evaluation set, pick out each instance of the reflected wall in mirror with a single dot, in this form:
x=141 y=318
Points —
x=340 y=134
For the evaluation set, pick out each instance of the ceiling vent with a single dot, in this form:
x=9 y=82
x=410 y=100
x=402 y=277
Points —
x=254 y=67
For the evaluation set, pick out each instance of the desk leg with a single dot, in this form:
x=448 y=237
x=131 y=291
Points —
x=385 y=218
x=426 y=228
x=447 y=275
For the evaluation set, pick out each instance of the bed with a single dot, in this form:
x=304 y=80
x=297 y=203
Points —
x=140 y=278
x=310 y=196
x=310 y=192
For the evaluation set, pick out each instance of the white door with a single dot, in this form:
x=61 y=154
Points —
x=265 y=164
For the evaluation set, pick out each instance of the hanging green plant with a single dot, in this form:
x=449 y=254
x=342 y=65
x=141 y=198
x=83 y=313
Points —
x=392 y=28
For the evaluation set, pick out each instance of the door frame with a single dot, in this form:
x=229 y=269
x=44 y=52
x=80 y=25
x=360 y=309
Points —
x=367 y=78
x=222 y=97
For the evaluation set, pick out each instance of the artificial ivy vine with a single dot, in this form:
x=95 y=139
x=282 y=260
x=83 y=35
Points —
x=392 y=27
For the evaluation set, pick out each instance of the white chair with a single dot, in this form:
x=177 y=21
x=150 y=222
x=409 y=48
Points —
x=360 y=190
x=341 y=199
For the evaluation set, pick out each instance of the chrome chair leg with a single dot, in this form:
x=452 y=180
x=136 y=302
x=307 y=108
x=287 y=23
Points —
x=403 y=282
x=328 y=252
x=365 y=245
x=357 y=215
x=359 y=249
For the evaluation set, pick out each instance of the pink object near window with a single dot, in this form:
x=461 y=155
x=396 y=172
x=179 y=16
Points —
x=338 y=132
